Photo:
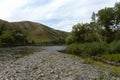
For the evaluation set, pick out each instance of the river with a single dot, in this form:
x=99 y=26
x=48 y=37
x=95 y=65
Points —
x=17 y=52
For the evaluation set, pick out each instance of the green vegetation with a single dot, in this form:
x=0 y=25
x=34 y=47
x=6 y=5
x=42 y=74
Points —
x=112 y=57
x=35 y=67
x=41 y=34
x=10 y=36
x=29 y=33
x=103 y=50
x=115 y=69
x=100 y=37
x=93 y=48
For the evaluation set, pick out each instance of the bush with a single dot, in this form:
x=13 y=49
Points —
x=93 y=48
x=74 y=48
x=115 y=47
x=7 y=39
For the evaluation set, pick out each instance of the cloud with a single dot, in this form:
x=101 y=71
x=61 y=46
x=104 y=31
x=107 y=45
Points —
x=7 y=7
x=58 y=14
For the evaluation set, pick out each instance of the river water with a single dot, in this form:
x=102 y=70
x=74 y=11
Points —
x=17 y=52
x=56 y=48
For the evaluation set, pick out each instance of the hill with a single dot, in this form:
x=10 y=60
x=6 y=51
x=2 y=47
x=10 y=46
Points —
x=36 y=32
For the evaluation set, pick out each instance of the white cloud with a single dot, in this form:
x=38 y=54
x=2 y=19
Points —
x=7 y=7
x=66 y=24
x=69 y=12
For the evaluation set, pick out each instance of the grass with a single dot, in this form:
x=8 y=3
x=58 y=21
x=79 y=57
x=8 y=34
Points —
x=115 y=47
x=110 y=52
x=112 y=57
x=115 y=69
x=93 y=48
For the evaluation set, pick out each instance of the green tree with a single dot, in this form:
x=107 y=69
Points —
x=19 y=37
x=106 y=18
x=117 y=21
x=2 y=28
x=117 y=15
x=7 y=38
x=70 y=39
x=93 y=17
x=78 y=34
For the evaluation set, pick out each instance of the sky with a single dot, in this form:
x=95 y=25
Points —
x=58 y=14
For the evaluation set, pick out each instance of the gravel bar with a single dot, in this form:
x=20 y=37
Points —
x=52 y=65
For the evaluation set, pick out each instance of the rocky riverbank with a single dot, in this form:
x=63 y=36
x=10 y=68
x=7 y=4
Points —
x=51 y=65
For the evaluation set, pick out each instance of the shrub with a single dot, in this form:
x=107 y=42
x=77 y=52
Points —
x=7 y=38
x=74 y=48
x=93 y=48
x=115 y=47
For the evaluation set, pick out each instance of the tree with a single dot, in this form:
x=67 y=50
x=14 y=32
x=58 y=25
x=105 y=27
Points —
x=79 y=33
x=93 y=17
x=106 y=18
x=70 y=39
x=7 y=38
x=2 y=28
x=19 y=37
x=117 y=15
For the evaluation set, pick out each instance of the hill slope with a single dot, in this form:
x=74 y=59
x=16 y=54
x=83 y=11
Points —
x=36 y=32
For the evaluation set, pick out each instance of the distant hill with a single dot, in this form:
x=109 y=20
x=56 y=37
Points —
x=36 y=32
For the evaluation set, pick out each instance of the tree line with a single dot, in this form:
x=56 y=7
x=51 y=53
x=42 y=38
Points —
x=99 y=38
x=104 y=26
x=11 y=37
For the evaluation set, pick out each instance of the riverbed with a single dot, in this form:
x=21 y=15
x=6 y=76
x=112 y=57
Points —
x=46 y=63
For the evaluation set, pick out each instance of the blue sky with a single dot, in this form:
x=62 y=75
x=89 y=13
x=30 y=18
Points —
x=58 y=14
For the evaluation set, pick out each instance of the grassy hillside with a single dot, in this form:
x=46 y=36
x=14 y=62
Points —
x=36 y=32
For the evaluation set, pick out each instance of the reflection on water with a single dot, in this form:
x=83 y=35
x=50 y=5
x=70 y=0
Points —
x=57 y=48
x=17 y=52
x=14 y=53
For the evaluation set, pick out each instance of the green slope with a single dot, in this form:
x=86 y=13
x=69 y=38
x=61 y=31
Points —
x=36 y=32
